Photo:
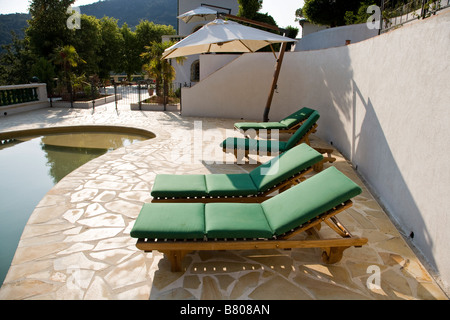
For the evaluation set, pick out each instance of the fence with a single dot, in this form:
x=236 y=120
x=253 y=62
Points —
x=13 y=96
x=142 y=95
x=399 y=12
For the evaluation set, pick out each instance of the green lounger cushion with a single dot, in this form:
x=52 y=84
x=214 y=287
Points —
x=297 y=117
x=284 y=166
x=284 y=124
x=253 y=145
x=230 y=185
x=174 y=221
x=261 y=125
x=236 y=220
x=310 y=198
x=304 y=128
x=189 y=185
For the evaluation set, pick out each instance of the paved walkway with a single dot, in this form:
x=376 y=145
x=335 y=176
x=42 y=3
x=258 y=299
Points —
x=76 y=244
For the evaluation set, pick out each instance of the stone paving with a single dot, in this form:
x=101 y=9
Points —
x=76 y=244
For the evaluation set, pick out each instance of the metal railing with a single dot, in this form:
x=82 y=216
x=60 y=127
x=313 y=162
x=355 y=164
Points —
x=398 y=12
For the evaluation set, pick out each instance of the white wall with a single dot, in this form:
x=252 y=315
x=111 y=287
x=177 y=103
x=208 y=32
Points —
x=335 y=37
x=210 y=63
x=384 y=103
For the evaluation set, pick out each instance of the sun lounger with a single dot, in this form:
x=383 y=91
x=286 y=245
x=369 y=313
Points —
x=287 y=125
x=176 y=229
x=279 y=174
x=242 y=147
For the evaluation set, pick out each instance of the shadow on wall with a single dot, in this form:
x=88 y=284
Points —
x=386 y=174
x=350 y=122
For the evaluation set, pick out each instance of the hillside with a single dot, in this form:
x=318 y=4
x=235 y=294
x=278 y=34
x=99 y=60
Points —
x=129 y=11
x=132 y=11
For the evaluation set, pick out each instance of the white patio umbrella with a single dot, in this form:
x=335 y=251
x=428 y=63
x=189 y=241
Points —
x=229 y=36
x=223 y=36
x=198 y=14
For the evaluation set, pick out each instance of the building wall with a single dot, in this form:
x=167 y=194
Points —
x=183 y=72
x=184 y=6
x=384 y=103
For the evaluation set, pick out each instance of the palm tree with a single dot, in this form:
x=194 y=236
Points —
x=67 y=57
x=159 y=69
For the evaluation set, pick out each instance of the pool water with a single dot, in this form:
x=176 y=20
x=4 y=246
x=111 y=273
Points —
x=30 y=167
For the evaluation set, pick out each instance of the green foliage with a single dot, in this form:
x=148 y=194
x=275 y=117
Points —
x=45 y=72
x=249 y=8
x=98 y=48
x=16 y=61
x=47 y=26
x=156 y=67
x=16 y=23
x=361 y=15
x=148 y=32
x=87 y=41
x=131 y=62
x=328 y=12
x=112 y=43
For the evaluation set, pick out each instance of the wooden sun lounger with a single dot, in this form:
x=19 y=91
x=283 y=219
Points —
x=243 y=147
x=177 y=229
x=278 y=174
x=289 y=124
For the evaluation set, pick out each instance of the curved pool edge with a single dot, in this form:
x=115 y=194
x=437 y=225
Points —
x=61 y=185
x=76 y=129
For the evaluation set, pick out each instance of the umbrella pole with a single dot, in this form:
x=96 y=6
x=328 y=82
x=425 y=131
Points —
x=274 y=81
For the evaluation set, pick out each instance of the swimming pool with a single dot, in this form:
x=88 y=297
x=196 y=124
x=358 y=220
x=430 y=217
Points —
x=33 y=161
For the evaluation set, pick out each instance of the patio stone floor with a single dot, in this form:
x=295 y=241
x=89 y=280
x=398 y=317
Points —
x=76 y=244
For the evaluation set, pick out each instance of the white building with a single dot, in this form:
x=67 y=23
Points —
x=189 y=72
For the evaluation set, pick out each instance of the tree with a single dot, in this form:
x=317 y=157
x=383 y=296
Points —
x=48 y=25
x=361 y=15
x=249 y=9
x=87 y=42
x=131 y=62
x=45 y=72
x=328 y=12
x=148 y=32
x=16 y=62
x=112 y=43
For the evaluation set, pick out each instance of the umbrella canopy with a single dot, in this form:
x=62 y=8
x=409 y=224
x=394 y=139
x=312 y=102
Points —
x=223 y=36
x=198 y=14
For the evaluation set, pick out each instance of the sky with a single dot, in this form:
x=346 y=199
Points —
x=283 y=11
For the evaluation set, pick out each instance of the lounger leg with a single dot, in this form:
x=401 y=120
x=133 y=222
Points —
x=175 y=257
x=333 y=255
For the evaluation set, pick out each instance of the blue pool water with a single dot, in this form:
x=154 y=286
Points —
x=30 y=167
